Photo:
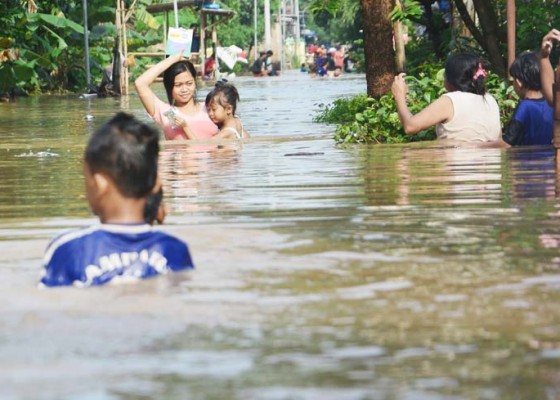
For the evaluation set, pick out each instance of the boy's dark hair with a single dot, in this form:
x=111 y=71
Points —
x=269 y=53
x=174 y=70
x=526 y=68
x=466 y=73
x=224 y=94
x=126 y=150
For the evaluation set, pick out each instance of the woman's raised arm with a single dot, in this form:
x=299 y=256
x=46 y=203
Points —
x=440 y=110
x=144 y=81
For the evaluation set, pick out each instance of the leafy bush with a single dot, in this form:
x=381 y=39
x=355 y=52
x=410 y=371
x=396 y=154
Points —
x=362 y=119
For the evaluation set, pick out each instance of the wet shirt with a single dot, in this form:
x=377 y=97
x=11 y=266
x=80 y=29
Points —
x=257 y=66
x=532 y=124
x=320 y=62
x=112 y=252
x=476 y=118
x=200 y=124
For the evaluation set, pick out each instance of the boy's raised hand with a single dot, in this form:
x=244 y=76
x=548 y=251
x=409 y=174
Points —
x=551 y=39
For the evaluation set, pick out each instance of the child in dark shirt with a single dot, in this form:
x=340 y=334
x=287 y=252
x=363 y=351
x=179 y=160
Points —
x=532 y=121
x=120 y=172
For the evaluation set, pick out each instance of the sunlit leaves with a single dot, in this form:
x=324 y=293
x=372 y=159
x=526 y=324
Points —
x=406 y=10
x=56 y=21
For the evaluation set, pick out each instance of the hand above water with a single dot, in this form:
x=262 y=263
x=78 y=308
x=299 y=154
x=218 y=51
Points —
x=179 y=121
x=550 y=40
x=399 y=87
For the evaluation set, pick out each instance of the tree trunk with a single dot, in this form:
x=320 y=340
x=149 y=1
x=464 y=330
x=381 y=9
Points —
x=378 y=45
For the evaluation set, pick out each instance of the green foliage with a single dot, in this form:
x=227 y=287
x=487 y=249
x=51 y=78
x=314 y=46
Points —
x=505 y=96
x=362 y=119
x=357 y=55
x=535 y=18
x=410 y=9
x=45 y=44
x=335 y=21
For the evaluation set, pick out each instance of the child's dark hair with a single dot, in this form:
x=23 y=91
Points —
x=466 y=73
x=526 y=68
x=126 y=150
x=174 y=70
x=224 y=94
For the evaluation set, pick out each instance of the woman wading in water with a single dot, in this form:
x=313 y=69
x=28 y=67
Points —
x=183 y=117
x=466 y=113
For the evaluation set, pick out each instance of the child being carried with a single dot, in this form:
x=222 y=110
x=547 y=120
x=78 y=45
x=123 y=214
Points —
x=221 y=104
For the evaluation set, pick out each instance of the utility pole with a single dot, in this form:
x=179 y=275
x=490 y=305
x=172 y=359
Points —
x=255 y=47
x=298 y=33
x=86 y=43
x=267 y=35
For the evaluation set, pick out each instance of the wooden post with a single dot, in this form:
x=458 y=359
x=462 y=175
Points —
x=117 y=61
x=124 y=75
x=214 y=32
x=399 y=46
x=511 y=23
x=399 y=43
x=202 y=49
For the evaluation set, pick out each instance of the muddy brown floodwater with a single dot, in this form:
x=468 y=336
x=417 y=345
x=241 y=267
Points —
x=420 y=271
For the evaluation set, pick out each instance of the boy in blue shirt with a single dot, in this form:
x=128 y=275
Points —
x=120 y=170
x=532 y=121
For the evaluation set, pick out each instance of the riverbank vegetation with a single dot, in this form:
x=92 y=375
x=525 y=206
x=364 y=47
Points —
x=42 y=46
x=365 y=119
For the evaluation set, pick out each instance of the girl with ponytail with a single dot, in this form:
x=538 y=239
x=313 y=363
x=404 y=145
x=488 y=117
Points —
x=466 y=112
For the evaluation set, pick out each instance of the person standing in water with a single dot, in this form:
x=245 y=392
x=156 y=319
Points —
x=183 y=117
x=466 y=113
x=121 y=180
x=533 y=120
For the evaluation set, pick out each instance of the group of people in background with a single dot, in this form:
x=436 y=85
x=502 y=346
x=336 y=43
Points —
x=331 y=62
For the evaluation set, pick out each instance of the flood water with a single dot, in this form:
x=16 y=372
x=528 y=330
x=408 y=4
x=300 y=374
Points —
x=420 y=271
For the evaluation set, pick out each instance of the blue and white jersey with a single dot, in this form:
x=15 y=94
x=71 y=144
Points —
x=111 y=252
x=537 y=119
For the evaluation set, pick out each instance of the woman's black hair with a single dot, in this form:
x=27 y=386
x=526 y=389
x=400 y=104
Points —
x=526 y=68
x=225 y=94
x=466 y=73
x=170 y=73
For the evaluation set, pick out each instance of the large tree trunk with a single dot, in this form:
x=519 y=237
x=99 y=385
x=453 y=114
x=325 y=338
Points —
x=378 y=45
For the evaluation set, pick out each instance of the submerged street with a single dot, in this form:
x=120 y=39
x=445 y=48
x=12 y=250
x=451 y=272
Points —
x=420 y=271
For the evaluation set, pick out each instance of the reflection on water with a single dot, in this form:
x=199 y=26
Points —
x=419 y=271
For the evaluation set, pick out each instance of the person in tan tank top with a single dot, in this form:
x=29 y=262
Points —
x=466 y=113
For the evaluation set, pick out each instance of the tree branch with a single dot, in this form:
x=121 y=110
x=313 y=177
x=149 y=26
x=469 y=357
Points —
x=469 y=23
